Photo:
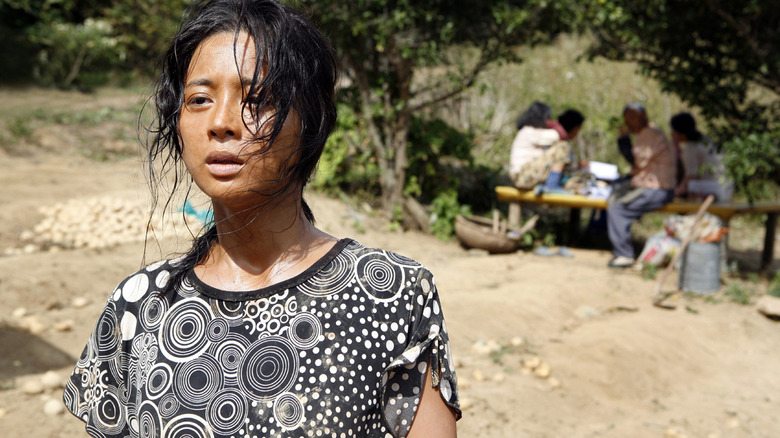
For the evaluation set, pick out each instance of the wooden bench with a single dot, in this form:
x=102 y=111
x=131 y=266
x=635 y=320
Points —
x=725 y=211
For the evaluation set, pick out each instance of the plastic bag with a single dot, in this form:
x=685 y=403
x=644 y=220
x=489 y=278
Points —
x=658 y=251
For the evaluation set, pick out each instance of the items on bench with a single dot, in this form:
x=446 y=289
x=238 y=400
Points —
x=724 y=211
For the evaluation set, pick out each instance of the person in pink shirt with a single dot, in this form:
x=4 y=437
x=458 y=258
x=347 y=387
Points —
x=652 y=181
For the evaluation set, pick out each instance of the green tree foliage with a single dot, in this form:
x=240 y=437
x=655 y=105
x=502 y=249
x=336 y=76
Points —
x=383 y=44
x=718 y=55
x=83 y=42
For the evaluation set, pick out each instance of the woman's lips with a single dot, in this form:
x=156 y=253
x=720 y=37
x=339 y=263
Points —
x=224 y=165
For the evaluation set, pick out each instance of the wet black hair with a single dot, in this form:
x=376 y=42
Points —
x=295 y=72
x=571 y=119
x=536 y=115
x=685 y=124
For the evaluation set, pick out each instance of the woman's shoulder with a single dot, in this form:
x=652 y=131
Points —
x=154 y=276
x=360 y=251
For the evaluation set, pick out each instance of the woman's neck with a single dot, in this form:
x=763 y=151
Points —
x=261 y=247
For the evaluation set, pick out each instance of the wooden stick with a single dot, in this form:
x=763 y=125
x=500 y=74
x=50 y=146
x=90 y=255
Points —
x=659 y=297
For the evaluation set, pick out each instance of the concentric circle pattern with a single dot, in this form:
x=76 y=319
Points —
x=159 y=381
x=107 y=336
x=108 y=413
x=231 y=311
x=401 y=260
x=195 y=382
x=217 y=330
x=268 y=368
x=379 y=277
x=183 y=335
x=288 y=411
x=149 y=422
x=226 y=411
x=187 y=426
x=152 y=312
x=334 y=277
x=228 y=353
x=169 y=406
x=305 y=330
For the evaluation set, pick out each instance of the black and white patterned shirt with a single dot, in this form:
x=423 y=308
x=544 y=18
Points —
x=340 y=350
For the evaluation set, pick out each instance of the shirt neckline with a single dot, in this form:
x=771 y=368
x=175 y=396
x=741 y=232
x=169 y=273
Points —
x=227 y=295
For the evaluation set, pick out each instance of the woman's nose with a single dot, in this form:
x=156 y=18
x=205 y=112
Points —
x=226 y=121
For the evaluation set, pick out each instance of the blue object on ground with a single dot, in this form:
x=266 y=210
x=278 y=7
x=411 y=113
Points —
x=206 y=217
x=564 y=252
x=543 y=251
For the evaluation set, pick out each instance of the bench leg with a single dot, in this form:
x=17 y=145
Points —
x=575 y=218
x=724 y=249
x=514 y=215
x=769 y=241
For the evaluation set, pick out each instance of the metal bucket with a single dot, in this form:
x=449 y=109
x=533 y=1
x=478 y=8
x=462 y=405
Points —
x=700 y=269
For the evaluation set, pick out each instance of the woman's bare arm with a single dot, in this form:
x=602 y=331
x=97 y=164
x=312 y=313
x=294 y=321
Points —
x=434 y=418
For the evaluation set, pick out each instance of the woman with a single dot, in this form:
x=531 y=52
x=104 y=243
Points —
x=703 y=171
x=536 y=150
x=268 y=326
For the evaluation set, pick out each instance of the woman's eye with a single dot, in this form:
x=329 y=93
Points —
x=197 y=101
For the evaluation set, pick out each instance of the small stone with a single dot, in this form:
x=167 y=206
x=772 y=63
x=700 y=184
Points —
x=542 y=371
x=80 y=302
x=3 y=412
x=64 y=326
x=51 y=380
x=553 y=382
x=671 y=433
x=492 y=346
x=466 y=403
x=532 y=363
x=53 y=407
x=29 y=248
x=481 y=347
x=516 y=341
x=33 y=325
x=733 y=423
x=32 y=387
x=499 y=377
x=478 y=376
x=19 y=312
x=586 y=312
x=769 y=306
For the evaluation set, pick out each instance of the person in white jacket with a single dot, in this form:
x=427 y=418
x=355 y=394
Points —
x=536 y=149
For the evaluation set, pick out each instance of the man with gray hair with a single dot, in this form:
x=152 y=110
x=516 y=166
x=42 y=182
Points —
x=653 y=179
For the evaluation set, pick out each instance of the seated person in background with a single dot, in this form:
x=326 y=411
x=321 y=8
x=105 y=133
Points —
x=535 y=148
x=653 y=179
x=700 y=159
x=570 y=122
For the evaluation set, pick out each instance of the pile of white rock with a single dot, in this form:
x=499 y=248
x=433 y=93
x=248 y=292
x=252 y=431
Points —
x=98 y=223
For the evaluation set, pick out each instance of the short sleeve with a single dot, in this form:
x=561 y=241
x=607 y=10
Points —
x=428 y=350
x=97 y=391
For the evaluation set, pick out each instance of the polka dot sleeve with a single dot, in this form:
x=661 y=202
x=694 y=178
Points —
x=96 y=392
x=428 y=350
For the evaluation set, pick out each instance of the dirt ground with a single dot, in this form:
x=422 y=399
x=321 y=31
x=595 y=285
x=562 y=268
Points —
x=607 y=363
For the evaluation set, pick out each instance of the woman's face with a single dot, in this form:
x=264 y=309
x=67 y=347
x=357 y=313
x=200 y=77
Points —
x=216 y=137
